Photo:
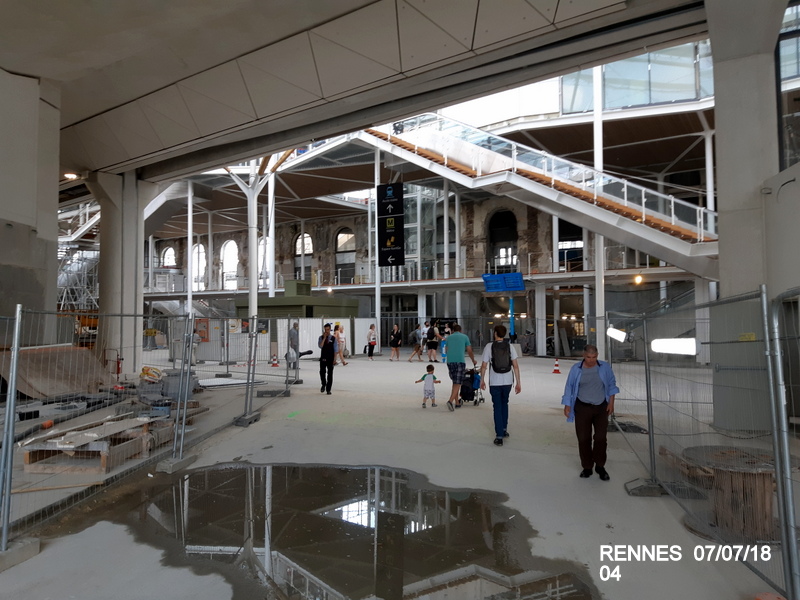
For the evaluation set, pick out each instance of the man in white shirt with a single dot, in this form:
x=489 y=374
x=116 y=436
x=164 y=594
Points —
x=500 y=383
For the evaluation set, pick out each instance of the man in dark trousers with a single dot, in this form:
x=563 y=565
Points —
x=328 y=351
x=588 y=401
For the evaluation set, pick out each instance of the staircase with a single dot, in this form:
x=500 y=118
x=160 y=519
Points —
x=675 y=231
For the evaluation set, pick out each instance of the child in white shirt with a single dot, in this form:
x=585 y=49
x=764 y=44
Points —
x=428 y=390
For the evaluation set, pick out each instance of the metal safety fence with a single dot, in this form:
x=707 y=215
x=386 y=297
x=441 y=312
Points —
x=88 y=397
x=700 y=404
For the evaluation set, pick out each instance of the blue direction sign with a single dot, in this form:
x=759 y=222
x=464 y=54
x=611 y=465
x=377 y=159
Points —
x=503 y=282
x=391 y=225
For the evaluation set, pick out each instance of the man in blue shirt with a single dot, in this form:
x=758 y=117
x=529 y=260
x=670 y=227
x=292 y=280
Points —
x=588 y=401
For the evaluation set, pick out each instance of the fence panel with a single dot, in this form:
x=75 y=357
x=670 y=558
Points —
x=700 y=421
x=98 y=396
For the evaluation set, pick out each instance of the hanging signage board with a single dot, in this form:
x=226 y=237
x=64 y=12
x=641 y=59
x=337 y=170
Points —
x=391 y=225
x=503 y=282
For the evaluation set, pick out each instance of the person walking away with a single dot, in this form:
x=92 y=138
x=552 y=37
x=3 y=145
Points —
x=433 y=338
x=499 y=360
x=372 y=340
x=458 y=345
x=395 y=341
x=415 y=340
x=342 y=344
x=327 y=358
x=428 y=390
x=294 y=345
x=196 y=339
x=588 y=402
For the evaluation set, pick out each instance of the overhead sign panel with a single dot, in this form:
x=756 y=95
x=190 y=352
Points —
x=503 y=282
x=391 y=225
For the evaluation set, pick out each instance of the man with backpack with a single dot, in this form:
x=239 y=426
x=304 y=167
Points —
x=501 y=358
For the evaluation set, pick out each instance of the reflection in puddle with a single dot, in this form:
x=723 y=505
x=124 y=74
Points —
x=334 y=533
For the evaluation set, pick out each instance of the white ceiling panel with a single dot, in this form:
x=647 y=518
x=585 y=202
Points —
x=547 y=8
x=218 y=98
x=360 y=70
x=456 y=17
x=102 y=146
x=370 y=32
x=74 y=156
x=291 y=60
x=581 y=10
x=271 y=95
x=422 y=41
x=499 y=20
x=133 y=130
x=169 y=116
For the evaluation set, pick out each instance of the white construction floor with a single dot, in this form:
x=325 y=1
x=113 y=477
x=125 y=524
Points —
x=374 y=417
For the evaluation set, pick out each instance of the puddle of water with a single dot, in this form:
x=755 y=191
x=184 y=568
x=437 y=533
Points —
x=333 y=533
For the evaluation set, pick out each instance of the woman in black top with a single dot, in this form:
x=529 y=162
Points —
x=395 y=339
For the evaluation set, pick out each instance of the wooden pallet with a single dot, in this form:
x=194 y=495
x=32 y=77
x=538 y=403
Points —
x=100 y=455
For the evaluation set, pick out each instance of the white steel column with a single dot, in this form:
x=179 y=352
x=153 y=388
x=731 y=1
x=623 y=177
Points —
x=556 y=298
x=599 y=241
x=540 y=316
x=446 y=226
x=150 y=258
x=190 y=248
x=303 y=248
x=210 y=256
x=422 y=301
x=377 y=178
x=459 y=266
x=262 y=264
x=271 y=237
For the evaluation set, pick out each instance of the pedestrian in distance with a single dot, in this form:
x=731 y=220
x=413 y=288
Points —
x=428 y=391
x=499 y=360
x=432 y=339
x=196 y=339
x=327 y=358
x=342 y=344
x=293 y=354
x=395 y=341
x=416 y=342
x=588 y=402
x=458 y=346
x=372 y=340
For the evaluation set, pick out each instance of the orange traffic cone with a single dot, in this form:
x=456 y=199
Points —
x=555 y=368
x=275 y=361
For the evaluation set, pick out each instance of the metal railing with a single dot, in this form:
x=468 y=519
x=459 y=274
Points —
x=485 y=153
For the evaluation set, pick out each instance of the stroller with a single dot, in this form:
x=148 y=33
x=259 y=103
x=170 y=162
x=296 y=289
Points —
x=471 y=387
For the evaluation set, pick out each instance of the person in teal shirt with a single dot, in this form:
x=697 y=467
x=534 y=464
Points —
x=458 y=346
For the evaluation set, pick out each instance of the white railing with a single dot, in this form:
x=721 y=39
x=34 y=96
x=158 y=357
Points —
x=485 y=153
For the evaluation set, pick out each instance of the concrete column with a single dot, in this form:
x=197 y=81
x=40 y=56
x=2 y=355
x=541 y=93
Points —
x=422 y=301
x=120 y=269
x=746 y=122
x=29 y=163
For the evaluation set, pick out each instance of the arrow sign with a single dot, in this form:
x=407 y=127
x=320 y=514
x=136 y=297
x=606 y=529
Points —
x=391 y=225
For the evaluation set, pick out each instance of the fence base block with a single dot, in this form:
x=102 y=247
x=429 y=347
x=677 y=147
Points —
x=173 y=465
x=644 y=487
x=247 y=420
x=18 y=551
x=273 y=393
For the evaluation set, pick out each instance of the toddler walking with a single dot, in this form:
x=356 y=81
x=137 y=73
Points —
x=428 y=391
